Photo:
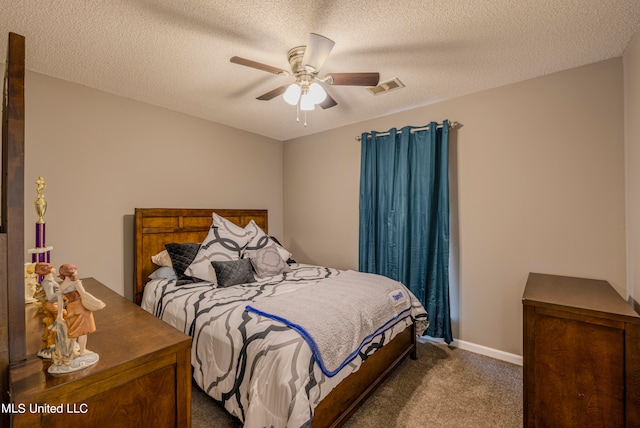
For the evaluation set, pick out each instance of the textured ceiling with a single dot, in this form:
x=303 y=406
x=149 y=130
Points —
x=175 y=54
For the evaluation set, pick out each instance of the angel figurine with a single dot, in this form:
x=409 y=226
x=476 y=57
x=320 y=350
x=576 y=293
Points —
x=75 y=325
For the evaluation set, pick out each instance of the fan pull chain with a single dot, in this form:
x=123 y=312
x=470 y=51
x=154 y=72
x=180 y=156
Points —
x=298 y=114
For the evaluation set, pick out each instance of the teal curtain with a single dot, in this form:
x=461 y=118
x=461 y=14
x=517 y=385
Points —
x=404 y=215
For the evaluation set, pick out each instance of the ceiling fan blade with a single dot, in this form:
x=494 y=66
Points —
x=273 y=93
x=353 y=79
x=316 y=52
x=328 y=102
x=258 y=65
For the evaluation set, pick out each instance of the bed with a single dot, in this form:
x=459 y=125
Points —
x=238 y=372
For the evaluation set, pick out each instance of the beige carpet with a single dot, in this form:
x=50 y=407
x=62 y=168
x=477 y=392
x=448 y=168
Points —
x=444 y=387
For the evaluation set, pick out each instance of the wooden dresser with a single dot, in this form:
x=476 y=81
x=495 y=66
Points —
x=581 y=354
x=143 y=377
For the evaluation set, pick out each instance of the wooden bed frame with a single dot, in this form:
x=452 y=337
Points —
x=156 y=227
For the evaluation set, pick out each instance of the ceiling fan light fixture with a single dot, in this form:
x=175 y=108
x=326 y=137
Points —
x=317 y=93
x=292 y=94
x=305 y=62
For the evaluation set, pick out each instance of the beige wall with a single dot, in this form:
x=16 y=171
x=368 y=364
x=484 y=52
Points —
x=632 y=156
x=537 y=183
x=102 y=156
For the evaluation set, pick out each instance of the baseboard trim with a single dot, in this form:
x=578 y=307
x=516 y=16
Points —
x=478 y=349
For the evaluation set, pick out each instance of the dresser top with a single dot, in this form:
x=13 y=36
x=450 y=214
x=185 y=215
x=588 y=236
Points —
x=582 y=295
x=126 y=337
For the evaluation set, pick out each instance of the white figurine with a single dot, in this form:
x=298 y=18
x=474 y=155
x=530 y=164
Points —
x=30 y=282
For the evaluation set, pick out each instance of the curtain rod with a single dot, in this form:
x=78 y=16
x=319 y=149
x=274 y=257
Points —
x=424 y=128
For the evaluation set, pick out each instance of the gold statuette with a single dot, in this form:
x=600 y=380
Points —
x=40 y=203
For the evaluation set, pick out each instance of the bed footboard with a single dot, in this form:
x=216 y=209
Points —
x=344 y=400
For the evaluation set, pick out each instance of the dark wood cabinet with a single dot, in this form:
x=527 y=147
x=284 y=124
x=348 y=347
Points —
x=143 y=377
x=581 y=354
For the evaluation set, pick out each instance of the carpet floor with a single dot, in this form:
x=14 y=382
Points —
x=444 y=387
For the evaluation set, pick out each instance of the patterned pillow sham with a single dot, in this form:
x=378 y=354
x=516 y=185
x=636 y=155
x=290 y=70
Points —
x=225 y=241
x=267 y=261
x=262 y=240
x=232 y=272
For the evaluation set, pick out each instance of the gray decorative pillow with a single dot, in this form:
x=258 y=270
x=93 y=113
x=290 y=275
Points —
x=267 y=261
x=233 y=272
x=225 y=241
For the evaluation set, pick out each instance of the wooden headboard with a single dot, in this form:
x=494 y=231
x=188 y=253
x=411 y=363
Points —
x=156 y=227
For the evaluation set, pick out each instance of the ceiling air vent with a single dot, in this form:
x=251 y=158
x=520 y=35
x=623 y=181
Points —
x=386 y=86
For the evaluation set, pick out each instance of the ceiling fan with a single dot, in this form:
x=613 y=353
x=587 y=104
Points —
x=305 y=62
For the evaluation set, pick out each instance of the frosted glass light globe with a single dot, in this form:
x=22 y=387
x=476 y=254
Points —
x=292 y=94
x=317 y=93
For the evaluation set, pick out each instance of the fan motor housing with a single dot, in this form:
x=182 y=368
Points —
x=295 y=56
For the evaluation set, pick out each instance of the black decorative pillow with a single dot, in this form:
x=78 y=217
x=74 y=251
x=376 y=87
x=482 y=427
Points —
x=267 y=262
x=233 y=272
x=181 y=256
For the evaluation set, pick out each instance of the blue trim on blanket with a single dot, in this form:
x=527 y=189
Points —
x=406 y=313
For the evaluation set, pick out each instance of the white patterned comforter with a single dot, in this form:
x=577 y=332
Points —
x=262 y=371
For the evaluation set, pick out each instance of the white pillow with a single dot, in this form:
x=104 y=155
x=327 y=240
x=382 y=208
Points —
x=163 y=272
x=262 y=240
x=225 y=241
